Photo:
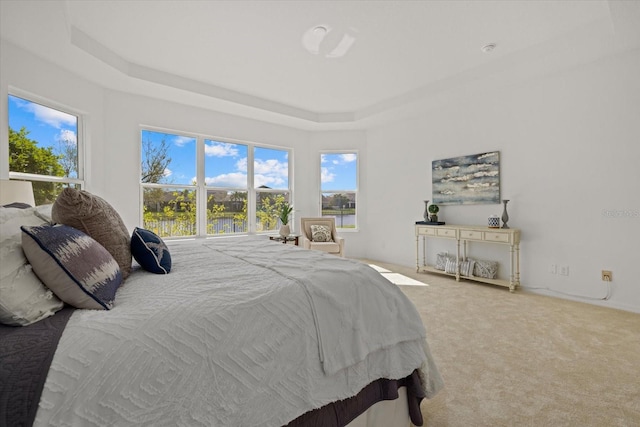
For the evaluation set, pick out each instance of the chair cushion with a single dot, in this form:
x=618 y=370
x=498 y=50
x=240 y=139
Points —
x=331 y=247
x=321 y=233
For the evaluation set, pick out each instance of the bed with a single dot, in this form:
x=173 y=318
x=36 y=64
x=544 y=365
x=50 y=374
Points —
x=243 y=331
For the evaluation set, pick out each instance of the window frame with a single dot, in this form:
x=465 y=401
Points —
x=81 y=137
x=338 y=191
x=201 y=187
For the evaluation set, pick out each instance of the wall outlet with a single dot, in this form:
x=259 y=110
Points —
x=553 y=269
x=564 y=270
x=607 y=276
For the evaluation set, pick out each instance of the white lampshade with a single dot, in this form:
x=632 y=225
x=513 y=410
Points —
x=16 y=191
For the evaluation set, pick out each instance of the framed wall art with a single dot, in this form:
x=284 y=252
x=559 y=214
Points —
x=465 y=180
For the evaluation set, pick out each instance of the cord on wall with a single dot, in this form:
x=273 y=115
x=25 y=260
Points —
x=605 y=298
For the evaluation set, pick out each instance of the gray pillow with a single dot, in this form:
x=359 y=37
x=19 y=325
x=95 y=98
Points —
x=486 y=269
x=95 y=217
x=441 y=260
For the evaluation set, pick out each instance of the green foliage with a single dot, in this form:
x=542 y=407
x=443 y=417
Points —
x=267 y=214
x=434 y=209
x=25 y=156
x=336 y=201
x=240 y=218
x=173 y=213
x=285 y=211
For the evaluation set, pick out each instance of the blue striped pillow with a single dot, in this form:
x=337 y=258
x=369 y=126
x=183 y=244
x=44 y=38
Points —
x=150 y=251
x=79 y=270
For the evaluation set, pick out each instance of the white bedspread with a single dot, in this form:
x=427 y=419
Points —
x=230 y=338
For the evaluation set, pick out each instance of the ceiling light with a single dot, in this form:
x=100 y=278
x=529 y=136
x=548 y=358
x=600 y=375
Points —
x=313 y=37
x=488 y=47
x=316 y=40
x=320 y=30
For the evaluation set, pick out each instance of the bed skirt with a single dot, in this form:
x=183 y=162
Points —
x=386 y=403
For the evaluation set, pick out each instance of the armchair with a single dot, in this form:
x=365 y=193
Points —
x=335 y=246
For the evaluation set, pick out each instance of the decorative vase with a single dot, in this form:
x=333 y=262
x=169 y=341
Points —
x=285 y=230
x=426 y=211
x=433 y=218
x=505 y=215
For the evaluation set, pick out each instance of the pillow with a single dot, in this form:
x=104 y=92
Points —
x=321 y=233
x=150 y=251
x=97 y=218
x=44 y=212
x=441 y=260
x=451 y=266
x=23 y=298
x=466 y=267
x=74 y=266
x=486 y=269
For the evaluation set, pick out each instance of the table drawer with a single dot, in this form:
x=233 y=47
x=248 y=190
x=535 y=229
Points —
x=471 y=235
x=446 y=232
x=496 y=236
x=424 y=231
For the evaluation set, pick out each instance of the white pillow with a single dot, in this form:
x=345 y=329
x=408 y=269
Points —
x=321 y=233
x=23 y=298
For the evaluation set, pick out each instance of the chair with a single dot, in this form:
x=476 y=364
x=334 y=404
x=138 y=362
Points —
x=335 y=247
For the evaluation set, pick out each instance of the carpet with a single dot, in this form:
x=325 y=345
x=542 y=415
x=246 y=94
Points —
x=521 y=359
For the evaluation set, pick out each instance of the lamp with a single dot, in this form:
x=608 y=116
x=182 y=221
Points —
x=16 y=191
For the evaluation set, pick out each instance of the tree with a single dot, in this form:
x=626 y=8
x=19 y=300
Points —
x=267 y=211
x=68 y=157
x=155 y=161
x=25 y=156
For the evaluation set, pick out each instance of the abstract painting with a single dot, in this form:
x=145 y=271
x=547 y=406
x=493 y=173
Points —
x=465 y=180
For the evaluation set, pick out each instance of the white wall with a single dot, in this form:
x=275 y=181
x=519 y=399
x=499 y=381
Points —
x=569 y=149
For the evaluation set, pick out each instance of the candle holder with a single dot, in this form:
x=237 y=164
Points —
x=426 y=211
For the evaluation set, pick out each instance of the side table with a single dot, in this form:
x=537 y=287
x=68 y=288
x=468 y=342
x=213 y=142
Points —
x=290 y=238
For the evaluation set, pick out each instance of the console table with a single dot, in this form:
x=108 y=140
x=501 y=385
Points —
x=464 y=235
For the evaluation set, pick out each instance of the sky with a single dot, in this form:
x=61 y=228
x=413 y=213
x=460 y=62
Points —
x=47 y=126
x=225 y=163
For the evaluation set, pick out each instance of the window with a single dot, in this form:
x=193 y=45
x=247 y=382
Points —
x=271 y=183
x=225 y=170
x=237 y=189
x=44 y=147
x=339 y=187
x=168 y=177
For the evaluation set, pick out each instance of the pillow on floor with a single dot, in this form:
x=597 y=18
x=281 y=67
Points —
x=150 y=251
x=74 y=266
x=23 y=298
x=94 y=216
